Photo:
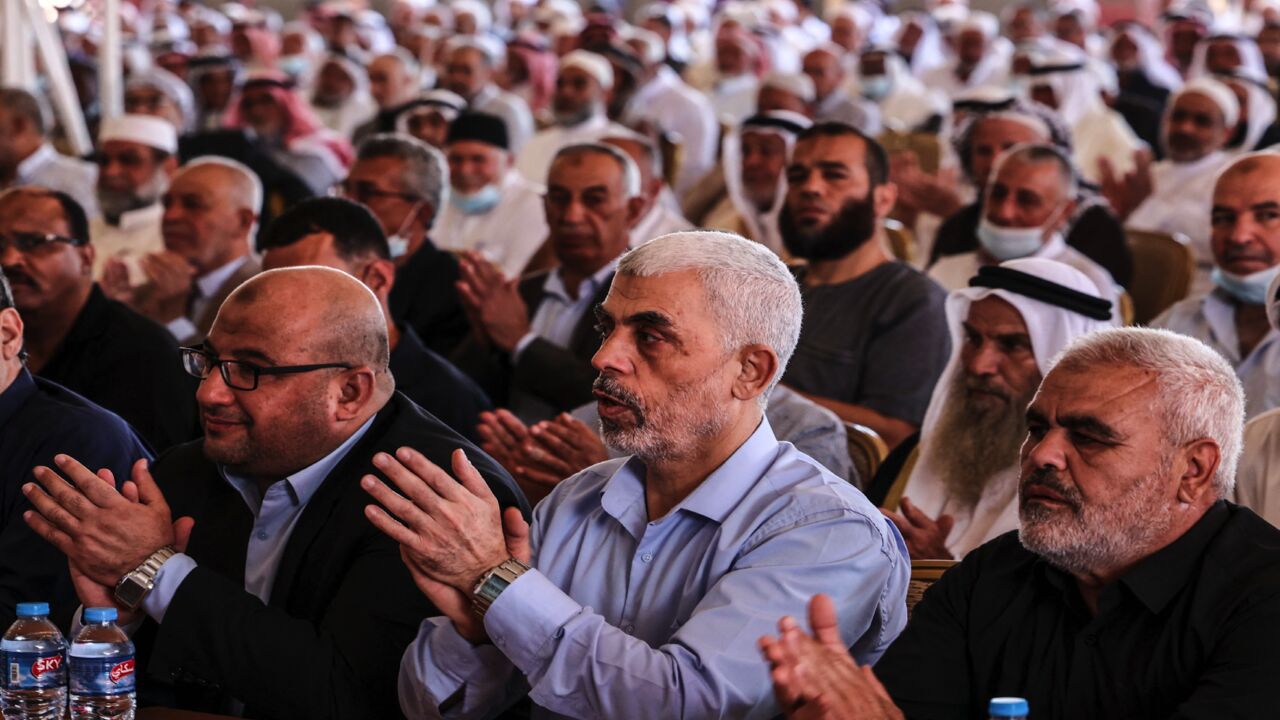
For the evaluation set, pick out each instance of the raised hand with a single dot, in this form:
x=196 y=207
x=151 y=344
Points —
x=492 y=302
x=167 y=292
x=926 y=538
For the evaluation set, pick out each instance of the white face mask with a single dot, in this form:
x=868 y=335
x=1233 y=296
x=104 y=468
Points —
x=398 y=244
x=1007 y=243
x=1249 y=289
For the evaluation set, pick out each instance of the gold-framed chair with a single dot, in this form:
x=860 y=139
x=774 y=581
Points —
x=866 y=451
x=1126 y=308
x=672 y=149
x=925 y=146
x=902 y=242
x=894 y=497
x=1163 y=268
x=923 y=574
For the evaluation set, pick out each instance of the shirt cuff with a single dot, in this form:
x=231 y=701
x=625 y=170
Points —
x=527 y=616
x=440 y=662
x=182 y=329
x=521 y=344
x=168 y=578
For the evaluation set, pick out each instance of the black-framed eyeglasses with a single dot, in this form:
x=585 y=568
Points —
x=363 y=191
x=28 y=241
x=241 y=375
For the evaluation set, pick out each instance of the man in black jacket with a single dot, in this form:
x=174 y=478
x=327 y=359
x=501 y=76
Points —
x=283 y=601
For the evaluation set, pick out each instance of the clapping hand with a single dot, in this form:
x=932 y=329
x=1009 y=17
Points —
x=491 y=301
x=926 y=538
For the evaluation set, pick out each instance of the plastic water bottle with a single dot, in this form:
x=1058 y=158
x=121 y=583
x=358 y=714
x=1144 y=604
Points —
x=1008 y=708
x=34 y=686
x=102 y=669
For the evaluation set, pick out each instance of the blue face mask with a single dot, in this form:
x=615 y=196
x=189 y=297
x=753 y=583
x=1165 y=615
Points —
x=876 y=87
x=1005 y=243
x=1249 y=289
x=293 y=65
x=478 y=202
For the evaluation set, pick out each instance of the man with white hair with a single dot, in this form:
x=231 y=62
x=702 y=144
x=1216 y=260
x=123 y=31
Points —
x=1028 y=202
x=28 y=158
x=643 y=581
x=1232 y=317
x=755 y=158
x=210 y=214
x=979 y=58
x=339 y=94
x=137 y=156
x=470 y=63
x=662 y=99
x=1132 y=445
x=1006 y=328
x=1170 y=196
x=582 y=88
x=738 y=63
x=831 y=100
x=492 y=208
x=395 y=78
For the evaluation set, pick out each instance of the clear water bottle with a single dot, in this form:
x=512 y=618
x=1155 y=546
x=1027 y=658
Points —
x=1008 y=708
x=34 y=686
x=102 y=669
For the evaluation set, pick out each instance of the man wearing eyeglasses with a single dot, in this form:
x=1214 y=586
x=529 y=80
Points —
x=137 y=155
x=77 y=337
x=39 y=419
x=246 y=568
x=403 y=182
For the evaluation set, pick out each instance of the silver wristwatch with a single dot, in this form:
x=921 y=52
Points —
x=494 y=582
x=135 y=585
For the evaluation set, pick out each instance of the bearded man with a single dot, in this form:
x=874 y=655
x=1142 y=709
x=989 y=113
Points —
x=875 y=339
x=1006 y=327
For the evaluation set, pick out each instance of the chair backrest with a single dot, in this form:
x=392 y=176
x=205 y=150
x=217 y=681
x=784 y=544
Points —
x=902 y=242
x=1163 y=267
x=1126 y=308
x=923 y=574
x=926 y=147
x=672 y=149
x=866 y=451
x=894 y=496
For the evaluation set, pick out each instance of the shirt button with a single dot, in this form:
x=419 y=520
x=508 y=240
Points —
x=559 y=633
x=629 y=628
x=263 y=535
x=646 y=557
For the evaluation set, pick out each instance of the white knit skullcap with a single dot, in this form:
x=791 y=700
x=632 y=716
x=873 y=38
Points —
x=146 y=130
x=590 y=63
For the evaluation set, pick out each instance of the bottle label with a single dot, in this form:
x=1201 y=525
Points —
x=32 y=671
x=103 y=676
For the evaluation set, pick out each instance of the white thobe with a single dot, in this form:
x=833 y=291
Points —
x=1211 y=319
x=513 y=110
x=534 y=160
x=1259 y=470
x=1181 y=201
x=669 y=103
x=509 y=234
x=49 y=168
x=659 y=221
x=735 y=98
x=136 y=236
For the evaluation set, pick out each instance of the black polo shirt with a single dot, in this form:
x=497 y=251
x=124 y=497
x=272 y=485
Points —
x=425 y=299
x=435 y=385
x=1192 y=631
x=129 y=365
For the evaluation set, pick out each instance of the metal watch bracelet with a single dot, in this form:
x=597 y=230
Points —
x=135 y=585
x=493 y=582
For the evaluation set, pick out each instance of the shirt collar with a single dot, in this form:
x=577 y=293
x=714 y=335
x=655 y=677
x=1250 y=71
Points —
x=305 y=482
x=13 y=397
x=714 y=498
x=1161 y=575
x=209 y=283
x=35 y=161
x=555 y=287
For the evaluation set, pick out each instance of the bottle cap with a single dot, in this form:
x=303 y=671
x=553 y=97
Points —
x=1008 y=707
x=32 y=609
x=102 y=614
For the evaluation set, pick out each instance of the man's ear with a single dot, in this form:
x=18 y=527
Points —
x=426 y=214
x=885 y=196
x=380 y=276
x=758 y=366
x=1199 y=460
x=635 y=211
x=356 y=387
x=10 y=334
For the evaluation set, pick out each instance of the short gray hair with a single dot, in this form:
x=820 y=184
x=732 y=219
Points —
x=28 y=105
x=1037 y=153
x=751 y=293
x=426 y=172
x=630 y=173
x=248 y=186
x=1199 y=393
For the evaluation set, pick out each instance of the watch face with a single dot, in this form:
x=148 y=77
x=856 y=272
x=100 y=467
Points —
x=130 y=592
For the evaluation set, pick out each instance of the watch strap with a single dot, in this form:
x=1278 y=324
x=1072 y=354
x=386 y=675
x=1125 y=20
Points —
x=493 y=582
x=142 y=578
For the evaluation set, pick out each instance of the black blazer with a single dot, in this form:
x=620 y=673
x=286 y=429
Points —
x=343 y=607
x=560 y=376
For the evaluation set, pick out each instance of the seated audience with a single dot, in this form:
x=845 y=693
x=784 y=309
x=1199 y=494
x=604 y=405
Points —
x=78 y=338
x=875 y=338
x=582 y=89
x=1006 y=328
x=639 y=588
x=1029 y=198
x=343 y=235
x=1132 y=589
x=395 y=78
x=28 y=158
x=492 y=208
x=831 y=100
x=532 y=339
x=137 y=158
x=1232 y=317
x=429 y=116
x=39 y=420
x=656 y=216
x=469 y=69
x=273 y=589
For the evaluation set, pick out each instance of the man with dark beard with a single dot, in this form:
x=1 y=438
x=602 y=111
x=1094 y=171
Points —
x=644 y=581
x=875 y=337
x=1005 y=328
x=1133 y=589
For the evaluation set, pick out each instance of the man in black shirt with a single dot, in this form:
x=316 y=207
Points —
x=343 y=235
x=1132 y=589
x=78 y=338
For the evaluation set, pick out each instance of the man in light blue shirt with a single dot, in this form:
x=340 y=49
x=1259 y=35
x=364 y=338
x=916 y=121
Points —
x=644 y=582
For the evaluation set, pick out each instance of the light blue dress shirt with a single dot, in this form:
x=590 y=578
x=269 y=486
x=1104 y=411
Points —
x=624 y=617
x=274 y=515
